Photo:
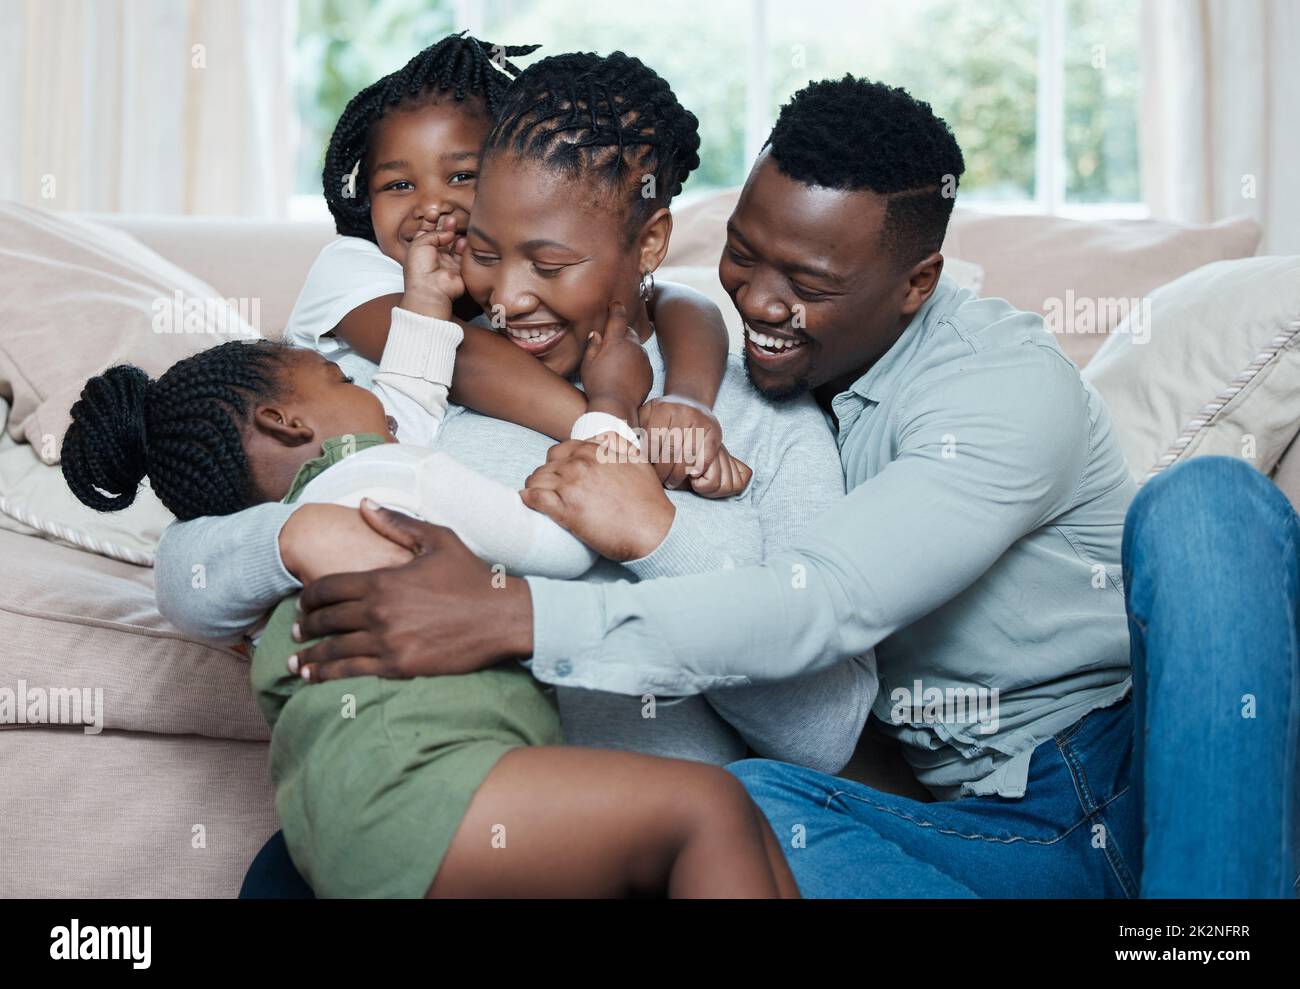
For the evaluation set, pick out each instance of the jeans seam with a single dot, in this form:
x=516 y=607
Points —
x=1087 y=799
x=958 y=834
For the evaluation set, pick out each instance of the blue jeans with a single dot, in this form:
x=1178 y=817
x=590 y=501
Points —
x=1210 y=566
x=1201 y=800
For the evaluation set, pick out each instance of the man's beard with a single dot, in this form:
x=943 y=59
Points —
x=781 y=393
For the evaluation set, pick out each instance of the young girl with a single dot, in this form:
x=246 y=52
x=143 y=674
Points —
x=403 y=156
x=454 y=786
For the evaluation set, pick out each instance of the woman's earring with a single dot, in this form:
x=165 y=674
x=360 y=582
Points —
x=647 y=286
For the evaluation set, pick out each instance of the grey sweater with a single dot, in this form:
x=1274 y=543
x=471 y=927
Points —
x=812 y=721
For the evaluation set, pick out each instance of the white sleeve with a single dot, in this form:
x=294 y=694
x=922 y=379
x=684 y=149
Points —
x=494 y=522
x=347 y=273
x=489 y=517
x=415 y=373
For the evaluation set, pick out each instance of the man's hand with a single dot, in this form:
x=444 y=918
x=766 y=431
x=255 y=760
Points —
x=319 y=540
x=443 y=612
x=431 y=270
x=605 y=494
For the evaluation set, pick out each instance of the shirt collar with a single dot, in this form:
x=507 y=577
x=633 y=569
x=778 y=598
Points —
x=333 y=450
x=883 y=376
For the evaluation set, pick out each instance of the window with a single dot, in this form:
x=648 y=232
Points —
x=1042 y=94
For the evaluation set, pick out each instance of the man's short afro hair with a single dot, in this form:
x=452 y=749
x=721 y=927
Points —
x=855 y=134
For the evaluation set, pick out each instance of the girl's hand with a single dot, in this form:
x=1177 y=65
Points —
x=724 y=477
x=685 y=444
x=616 y=372
x=432 y=270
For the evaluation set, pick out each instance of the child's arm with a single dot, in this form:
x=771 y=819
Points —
x=493 y=376
x=694 y=341
x=496 y=378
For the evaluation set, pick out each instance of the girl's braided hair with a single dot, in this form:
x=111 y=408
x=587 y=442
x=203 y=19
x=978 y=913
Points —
x=612 y=117
x=183 y=431
x=460 y=65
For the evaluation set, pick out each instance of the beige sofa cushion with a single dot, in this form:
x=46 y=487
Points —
x=130 y=815
x=76 y=298
x=1219 y=373
x=70 y=619
x=263 y=262
x=1083 y=274
x=1031 y=260
x=1287 y=475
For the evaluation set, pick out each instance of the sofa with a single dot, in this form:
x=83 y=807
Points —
x=167 y=795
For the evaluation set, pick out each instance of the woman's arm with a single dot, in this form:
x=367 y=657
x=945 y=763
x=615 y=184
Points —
x=215 y=577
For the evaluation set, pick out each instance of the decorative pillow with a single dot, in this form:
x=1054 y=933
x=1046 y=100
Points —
x=34 y=498
x=1210 y=365
x=76 y=298
x=1085 y=276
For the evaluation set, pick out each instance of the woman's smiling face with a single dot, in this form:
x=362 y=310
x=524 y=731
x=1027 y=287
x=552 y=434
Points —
x=551 y=253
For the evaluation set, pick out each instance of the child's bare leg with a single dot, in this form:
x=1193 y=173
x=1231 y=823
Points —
x=557 y=821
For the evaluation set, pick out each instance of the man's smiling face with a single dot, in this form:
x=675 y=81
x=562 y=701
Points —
x=821 y=298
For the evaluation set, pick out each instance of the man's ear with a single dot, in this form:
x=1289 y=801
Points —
x=652 y=241
x=279 y=426
x=921 y=282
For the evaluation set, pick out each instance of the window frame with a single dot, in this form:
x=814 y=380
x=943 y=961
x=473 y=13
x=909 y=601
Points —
x=1049 y=160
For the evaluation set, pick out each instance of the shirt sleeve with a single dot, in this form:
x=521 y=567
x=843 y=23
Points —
x=347 y=273
x=415 y=373
x=813 y=720
x=978 y=466
x=215 y=577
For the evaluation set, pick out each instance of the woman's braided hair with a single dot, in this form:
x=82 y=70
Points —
x=183 y=431
x=612 y=117
x=460 y=65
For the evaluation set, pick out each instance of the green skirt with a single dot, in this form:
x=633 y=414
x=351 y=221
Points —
x=373 y=776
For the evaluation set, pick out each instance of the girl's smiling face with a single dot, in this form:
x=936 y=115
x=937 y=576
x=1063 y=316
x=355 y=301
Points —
x=422 y=164
x=552 y=253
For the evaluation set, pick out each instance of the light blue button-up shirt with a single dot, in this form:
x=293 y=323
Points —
x=978 y=552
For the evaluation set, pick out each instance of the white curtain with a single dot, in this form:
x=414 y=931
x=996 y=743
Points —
x=146 y=106
x=1220 y=122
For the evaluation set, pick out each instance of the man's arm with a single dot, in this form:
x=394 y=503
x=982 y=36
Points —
x=894 y=549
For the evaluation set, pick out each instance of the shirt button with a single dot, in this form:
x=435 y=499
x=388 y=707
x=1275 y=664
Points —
x=562 y=668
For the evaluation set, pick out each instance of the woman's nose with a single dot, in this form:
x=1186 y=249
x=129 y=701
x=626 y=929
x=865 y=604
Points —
x=510 y=299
